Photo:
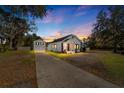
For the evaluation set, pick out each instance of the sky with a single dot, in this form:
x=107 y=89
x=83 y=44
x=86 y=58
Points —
x=64 y=20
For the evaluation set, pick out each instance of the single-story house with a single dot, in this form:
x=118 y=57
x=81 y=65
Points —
x=65 y=44
x=69 y=43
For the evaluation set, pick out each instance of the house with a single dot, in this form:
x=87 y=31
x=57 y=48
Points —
x=68 y=44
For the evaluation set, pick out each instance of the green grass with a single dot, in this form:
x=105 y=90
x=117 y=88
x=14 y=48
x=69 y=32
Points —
x=24 y=56
x=62 y=55
x=114 y=64
x=59 y=55
x=17 y=67
x=105 y=64
x=12 y=53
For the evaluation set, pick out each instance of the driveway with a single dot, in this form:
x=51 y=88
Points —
x=55 y=73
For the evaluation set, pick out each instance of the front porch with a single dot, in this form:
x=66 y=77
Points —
x=70 y=48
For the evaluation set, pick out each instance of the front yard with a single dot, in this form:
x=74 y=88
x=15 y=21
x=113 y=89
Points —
x=17 y=69
x=101 y=63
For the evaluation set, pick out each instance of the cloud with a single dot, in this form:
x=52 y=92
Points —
x=81 y=10
x=84 y=29
x=51 y=19
x=53 y=36
x=58 y=34
x=58 y=16
x=83 y=7
x=80 y=14
x=55 y=32
x=80 y=30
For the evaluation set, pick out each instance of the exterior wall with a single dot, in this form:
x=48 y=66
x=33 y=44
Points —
x=72 y=42
x=58 y=47
x=39 y=45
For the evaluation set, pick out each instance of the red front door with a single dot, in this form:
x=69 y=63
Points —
x=68 y=47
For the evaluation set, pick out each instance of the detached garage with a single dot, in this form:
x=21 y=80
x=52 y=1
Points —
x=39 y=45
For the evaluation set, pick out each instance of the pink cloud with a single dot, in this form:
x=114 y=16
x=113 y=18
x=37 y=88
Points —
x=52 y=18
x=55 y=32
x=81 y=30
x=58 y=34
x=57 y=16
x=58 y=20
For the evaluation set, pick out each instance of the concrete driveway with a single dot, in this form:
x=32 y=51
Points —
x=55 y=73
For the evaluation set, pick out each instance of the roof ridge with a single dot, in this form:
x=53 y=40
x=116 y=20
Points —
x=62 y=38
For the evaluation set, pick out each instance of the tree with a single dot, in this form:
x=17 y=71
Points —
x=25 y=11
x=15 y=21
x=29 y=38
x=109 y=28
x=116 y=23
x=14 y=28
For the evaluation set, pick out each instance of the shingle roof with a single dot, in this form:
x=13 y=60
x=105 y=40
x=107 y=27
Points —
x=63 y=38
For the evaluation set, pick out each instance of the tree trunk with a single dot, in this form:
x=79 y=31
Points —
x=115 y=47
x=11 y=43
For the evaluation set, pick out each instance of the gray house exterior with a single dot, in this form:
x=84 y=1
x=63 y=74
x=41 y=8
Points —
x=69 y=43
x=66 y=44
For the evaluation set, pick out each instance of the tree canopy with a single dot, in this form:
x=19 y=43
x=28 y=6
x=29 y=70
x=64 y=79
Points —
x=108 y=31
x=16 y=20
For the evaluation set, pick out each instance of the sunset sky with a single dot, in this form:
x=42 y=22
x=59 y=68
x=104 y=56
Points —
x=64 y=20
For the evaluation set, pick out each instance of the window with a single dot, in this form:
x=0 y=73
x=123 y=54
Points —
x=54 y=46
x=76 y=46
x=36 y=43
x=40 y=43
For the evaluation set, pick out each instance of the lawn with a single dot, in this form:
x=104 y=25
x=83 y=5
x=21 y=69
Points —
x=105 y=64
x=17 y=69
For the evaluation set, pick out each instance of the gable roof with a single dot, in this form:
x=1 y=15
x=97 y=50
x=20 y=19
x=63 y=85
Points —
x=39 y=39
x=61 y=39
x=65 y=38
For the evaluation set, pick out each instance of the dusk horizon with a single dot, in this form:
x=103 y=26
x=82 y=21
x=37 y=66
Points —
x=63 y=20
